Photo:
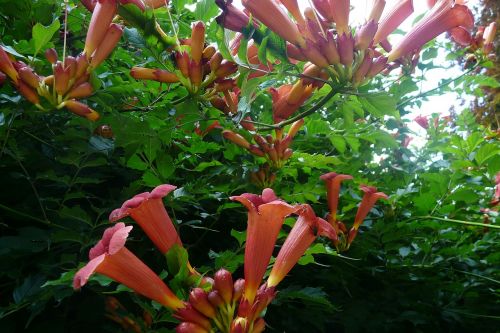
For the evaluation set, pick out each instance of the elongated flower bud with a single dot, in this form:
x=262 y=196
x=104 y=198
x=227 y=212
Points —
x=197 y=41
x=215 y=298
x=236 y=138
x=226 y=68
x=81 y=91
x=107 y=45
x=208 y=52
x=224 y=285
x=51 y=55
x=256 y=151
x=329 y=49
x=238 y=289
x=81 y=65
x=323 y=7
x=190 y=314
x=102 y=16
x=296 y=126
x=333 y=182
x=293 y=7
x=364 y=36
x=61 y=77
x=187 y=327
x=340 y=11
x=393 y=19
x=29 y=77
x=81 y=109
x=198 y=298
x=7 y=67
x=346 y=49
x=195 y=73
x=314 y=55
x=215 y=61
x=28 y=93
x=269 y=13
x=182 y=61
x=377 y=10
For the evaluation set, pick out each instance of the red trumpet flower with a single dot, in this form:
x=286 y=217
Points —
x=307 y=228
x=266 y=214
x=444 y=16
x=111 y=258
x=333 y=181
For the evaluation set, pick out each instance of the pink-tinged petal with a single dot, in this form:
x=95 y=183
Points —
x=138 y=3
x=422 y=121
x=117 y=241
x=82 y=276
x=489 y=33
x=392 y=19
x=325 y=229
x=97 y=250
x=117 y=214
x=461 y=36
x=268 y=195
x=444 y=16
x=136 y=201
x=162 y=191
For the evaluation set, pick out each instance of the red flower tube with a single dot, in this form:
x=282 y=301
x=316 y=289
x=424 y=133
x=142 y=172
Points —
x=266 y=214
x=307 y=228
x=369 y=198
x=392 y=19
x=333 y=181
x=111 y=258
x=444 y=16
x=102 y=16
x=148 y=211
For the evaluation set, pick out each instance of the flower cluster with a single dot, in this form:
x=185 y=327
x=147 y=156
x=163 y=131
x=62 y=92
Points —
x=221 y=303
x=70 y=80
x=323 y=36
x=286 y=99
x=199 y=68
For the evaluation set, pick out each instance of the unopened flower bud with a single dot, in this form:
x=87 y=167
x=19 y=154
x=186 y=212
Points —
x=198 y=298
x=51 y=55
x=224 y=284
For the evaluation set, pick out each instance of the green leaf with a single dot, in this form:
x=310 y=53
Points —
x=42 y=34
x=205 y=10
x=486 y=152
x=380 y=104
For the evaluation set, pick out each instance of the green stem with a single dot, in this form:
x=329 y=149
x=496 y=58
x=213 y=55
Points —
x=478 y=224
x=314 y=108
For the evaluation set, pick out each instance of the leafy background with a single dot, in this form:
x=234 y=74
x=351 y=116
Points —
x=408 y=270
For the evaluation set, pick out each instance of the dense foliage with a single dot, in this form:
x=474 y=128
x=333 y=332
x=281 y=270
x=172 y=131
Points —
x=425 y=259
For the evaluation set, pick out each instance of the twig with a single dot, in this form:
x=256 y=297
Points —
x=301 y=115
